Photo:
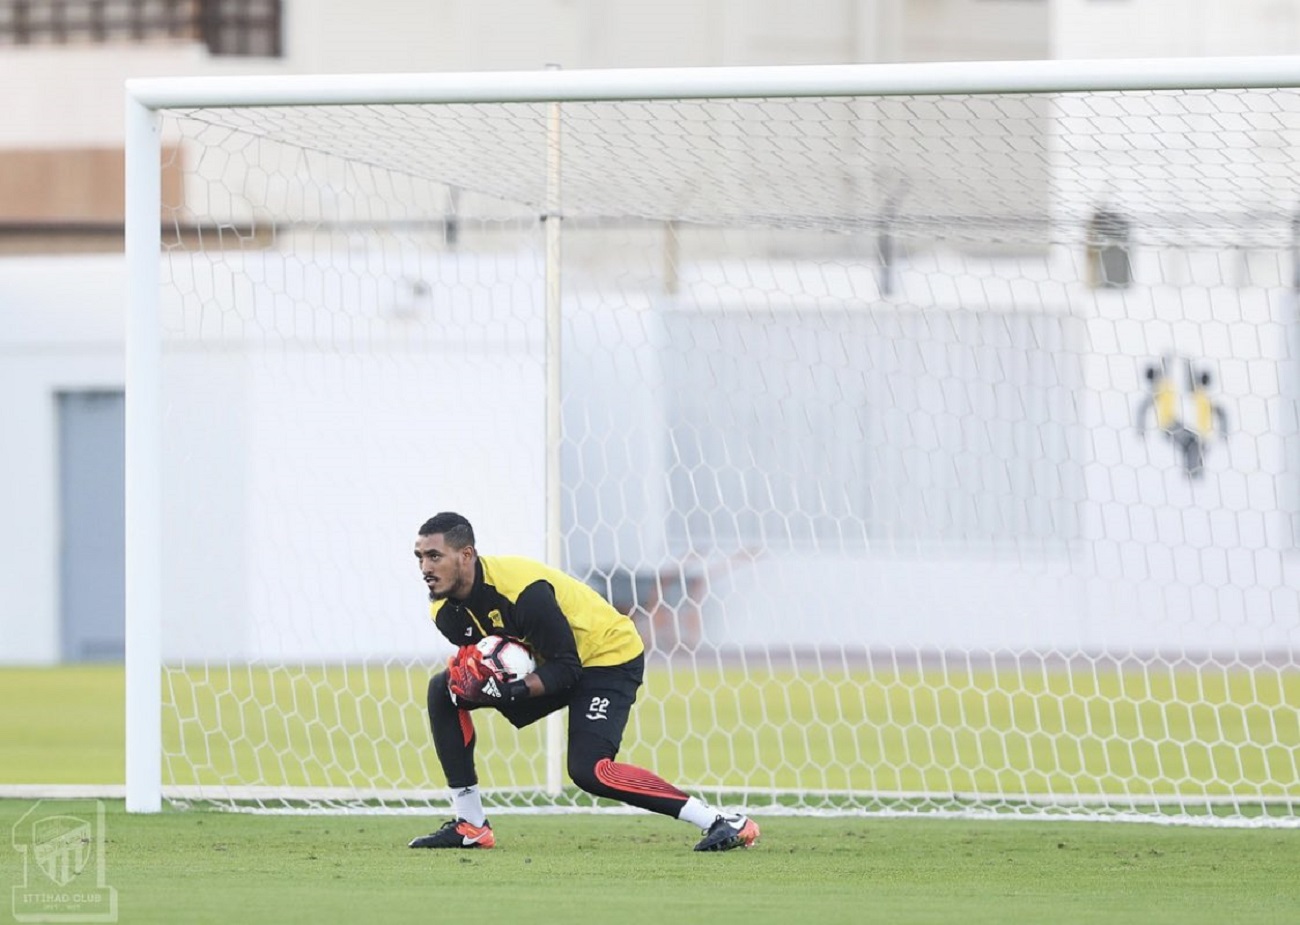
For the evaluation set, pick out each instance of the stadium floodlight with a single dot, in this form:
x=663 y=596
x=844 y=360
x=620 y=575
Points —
x=809 y=369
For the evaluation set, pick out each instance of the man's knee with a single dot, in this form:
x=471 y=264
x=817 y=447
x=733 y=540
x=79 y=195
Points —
x=582 y=771
x=439 y=697
x=586 y=752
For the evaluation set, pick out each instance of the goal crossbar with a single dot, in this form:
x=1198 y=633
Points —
x=558 y=85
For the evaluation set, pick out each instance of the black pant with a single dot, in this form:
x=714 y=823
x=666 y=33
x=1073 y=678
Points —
x=599 y=706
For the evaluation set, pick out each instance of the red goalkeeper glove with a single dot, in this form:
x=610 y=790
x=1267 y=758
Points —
x=459 y=672
x=469 y=679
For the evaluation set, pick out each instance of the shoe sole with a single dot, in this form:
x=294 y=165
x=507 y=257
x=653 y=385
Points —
x=484 y=842
x=747 y=837
x=484 y=846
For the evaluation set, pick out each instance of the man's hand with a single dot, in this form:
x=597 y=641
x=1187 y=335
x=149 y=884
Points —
x=469 y=679
x=461 y=656
x=463 y=670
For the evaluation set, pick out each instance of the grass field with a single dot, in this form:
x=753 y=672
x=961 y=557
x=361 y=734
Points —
x=219 y=867
x=65 y=726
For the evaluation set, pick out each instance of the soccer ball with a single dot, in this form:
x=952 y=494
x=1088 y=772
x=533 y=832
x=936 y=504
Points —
x=508 y=658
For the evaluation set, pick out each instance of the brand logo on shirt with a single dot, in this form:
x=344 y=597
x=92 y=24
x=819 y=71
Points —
x=495 y=618
x=469 y=631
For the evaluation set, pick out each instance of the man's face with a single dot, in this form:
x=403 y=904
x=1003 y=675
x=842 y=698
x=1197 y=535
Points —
x=447 y=572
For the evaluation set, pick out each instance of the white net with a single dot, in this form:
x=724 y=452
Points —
x=943 y=449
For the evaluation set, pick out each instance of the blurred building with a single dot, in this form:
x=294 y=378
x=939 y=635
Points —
x=62 y=68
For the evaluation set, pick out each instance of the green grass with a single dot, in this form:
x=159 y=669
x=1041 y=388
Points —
x=65 y=726
x=197 y=867
x=1136 y=732
x=62 y=725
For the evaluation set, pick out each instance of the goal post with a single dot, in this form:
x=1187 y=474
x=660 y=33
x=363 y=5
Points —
x=143 y=429
x=936 y=425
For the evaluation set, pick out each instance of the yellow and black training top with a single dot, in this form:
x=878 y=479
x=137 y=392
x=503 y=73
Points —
x=568 y=625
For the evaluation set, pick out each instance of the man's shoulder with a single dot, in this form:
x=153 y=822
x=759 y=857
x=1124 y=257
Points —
x=512 y=565
x=491 y=560
x=513 y=573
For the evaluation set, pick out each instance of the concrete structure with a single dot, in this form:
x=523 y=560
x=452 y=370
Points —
x=61 y=276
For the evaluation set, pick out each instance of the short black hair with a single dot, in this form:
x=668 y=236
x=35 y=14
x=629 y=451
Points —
x=458 y=531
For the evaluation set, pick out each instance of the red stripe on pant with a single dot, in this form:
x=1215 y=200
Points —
x=466 y=726
x=631 y=779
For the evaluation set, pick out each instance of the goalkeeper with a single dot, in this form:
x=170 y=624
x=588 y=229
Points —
x=590 y=661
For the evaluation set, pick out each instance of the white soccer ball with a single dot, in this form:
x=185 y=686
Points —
x=508 y=658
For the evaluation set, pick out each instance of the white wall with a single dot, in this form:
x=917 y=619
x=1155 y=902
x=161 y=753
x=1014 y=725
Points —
x=310 y=429
x=1138 y=558
x=60 y=329
x=296 y=477
x=971 y=30
x=1174 y=28
x=304 y=451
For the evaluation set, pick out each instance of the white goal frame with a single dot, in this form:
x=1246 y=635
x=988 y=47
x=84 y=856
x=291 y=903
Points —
x=146 y=97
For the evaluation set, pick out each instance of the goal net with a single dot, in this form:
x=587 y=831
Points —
x=939 y=439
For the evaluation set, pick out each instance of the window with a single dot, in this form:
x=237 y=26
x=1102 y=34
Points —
x=242 y=27
x=227 y=27
x=1109 y=248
